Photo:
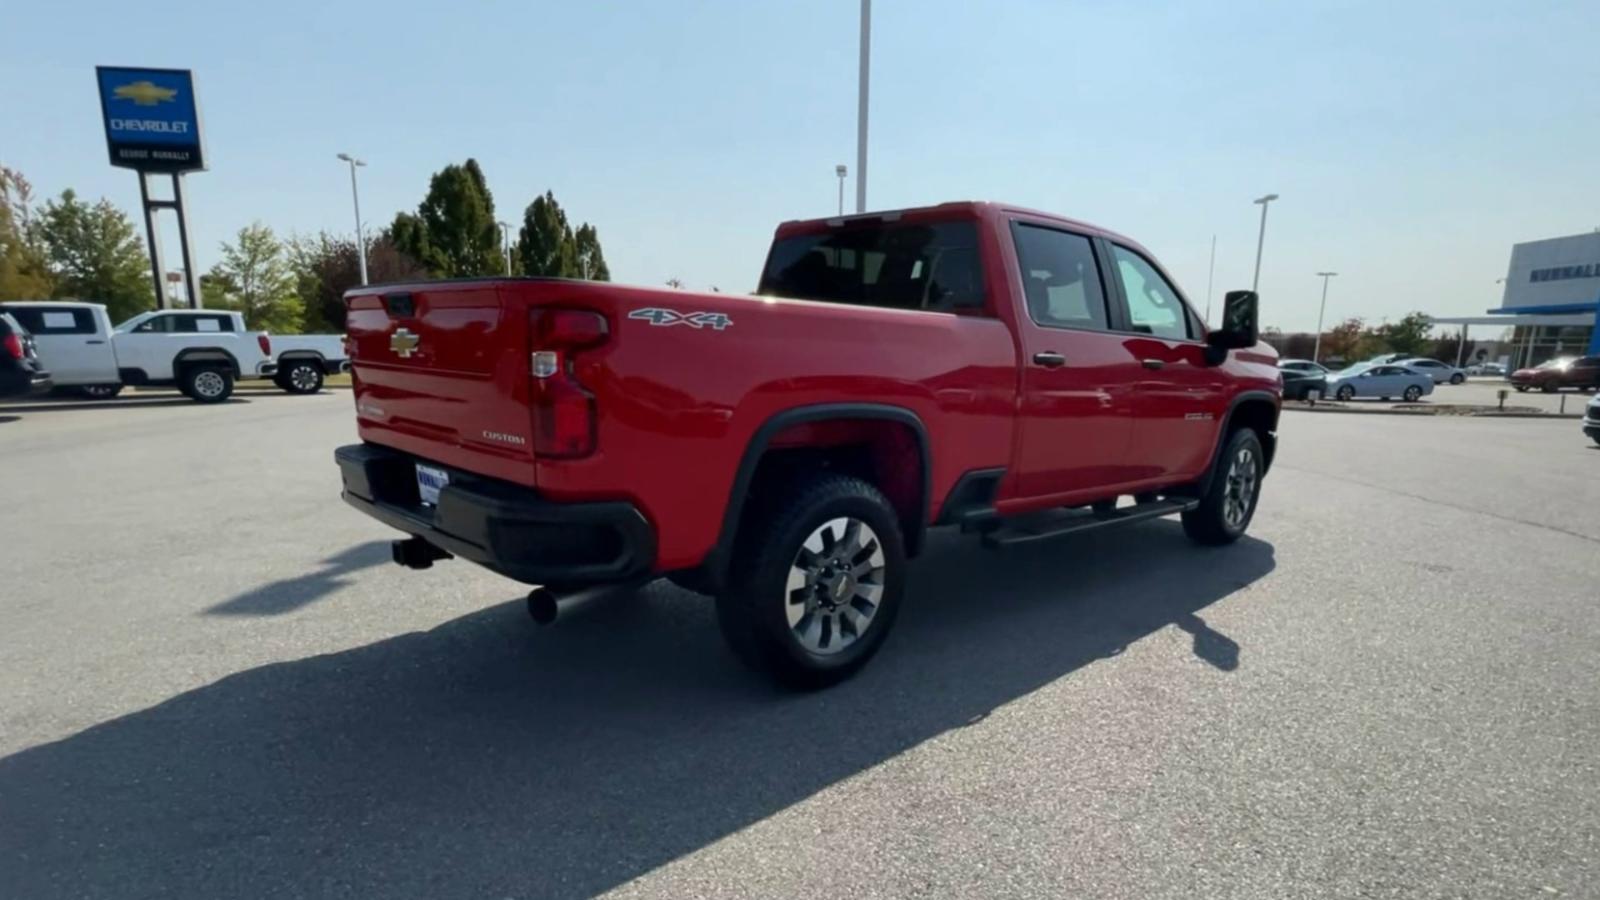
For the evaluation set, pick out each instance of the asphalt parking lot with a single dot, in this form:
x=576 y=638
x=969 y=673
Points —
x=216 y=685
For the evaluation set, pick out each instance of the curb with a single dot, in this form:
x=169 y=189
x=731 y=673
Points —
x=1429 y=414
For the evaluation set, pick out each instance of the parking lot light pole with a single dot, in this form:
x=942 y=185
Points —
x=1261 y=239
x=505 y=244
x=863 y=78
x=355 y=197
x=841 y=170
x=1316 y=350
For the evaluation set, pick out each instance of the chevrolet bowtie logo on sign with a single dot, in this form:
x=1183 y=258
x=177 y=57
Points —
x=404 y=342
x=143 y=93
x=152 y=119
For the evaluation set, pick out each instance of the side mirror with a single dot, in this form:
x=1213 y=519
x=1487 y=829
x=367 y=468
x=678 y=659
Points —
x=1241 y=325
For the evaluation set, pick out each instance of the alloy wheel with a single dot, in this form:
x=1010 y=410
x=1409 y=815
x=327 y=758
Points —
x=835 y=586
x=209 y=384
x=303 y=378
x=1240 y=489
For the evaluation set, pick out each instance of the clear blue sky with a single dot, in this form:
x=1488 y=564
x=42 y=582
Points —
x=1413 y=143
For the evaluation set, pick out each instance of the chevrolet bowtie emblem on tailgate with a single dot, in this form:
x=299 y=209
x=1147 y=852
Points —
x=404 y=342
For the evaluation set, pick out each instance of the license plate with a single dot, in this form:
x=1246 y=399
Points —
x=429 y=481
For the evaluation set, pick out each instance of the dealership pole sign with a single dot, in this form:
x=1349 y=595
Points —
x=152 y=119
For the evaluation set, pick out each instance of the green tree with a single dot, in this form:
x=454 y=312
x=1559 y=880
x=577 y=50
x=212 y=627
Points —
x=24 y=266
x=1409 y=335
x=591 y=261
x=325 y=266
x=545 y=243
x=1346 y=341
x=255 y=278
x=97 y=255
x=453 y=233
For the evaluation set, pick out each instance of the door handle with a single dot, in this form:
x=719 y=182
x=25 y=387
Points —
x=1049 y=359
x=1152 y=363
x=94 y=342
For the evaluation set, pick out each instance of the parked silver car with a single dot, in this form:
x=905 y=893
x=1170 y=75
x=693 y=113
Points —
x=1384 y=382
x=1442 y=373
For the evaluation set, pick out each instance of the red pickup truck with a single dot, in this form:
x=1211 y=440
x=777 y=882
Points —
x=975 y=365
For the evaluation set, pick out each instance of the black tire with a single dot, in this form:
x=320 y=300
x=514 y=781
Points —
x=1549 y=387
x=755 y=608
x=206 y=384
x=100 y=391
x=1345 y=392
x=1413 y=394
x=1230 y=501
x=1457 y=378
x=300 y=376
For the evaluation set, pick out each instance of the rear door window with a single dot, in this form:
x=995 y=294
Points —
x=934 y=267
x=1059 y=278
x=43 y=320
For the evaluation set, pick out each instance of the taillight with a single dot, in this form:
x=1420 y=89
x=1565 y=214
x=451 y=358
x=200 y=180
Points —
x=13 y=345
x=266 y=344
x=563 y=411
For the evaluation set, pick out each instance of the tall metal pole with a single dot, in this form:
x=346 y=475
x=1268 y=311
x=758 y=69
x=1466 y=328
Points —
x=191 y=277
x=355 y=197
x=1316 y=350
x=153 y=241
x=505 y=244
x=841 y=170
x=1211 y=271
x=861 y=106
x=1261 y=239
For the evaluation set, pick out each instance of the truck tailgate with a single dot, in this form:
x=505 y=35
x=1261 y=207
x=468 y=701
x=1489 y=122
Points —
x=441 y=371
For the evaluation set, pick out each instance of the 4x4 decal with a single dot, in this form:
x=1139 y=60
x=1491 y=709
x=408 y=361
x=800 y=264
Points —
x=656 y=315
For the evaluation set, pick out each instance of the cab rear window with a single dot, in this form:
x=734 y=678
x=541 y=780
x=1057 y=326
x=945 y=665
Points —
x=932 y=267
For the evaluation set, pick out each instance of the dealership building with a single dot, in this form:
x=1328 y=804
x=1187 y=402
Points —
x=1551 y=300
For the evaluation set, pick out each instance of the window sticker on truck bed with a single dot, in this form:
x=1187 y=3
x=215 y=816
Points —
x=655 y=315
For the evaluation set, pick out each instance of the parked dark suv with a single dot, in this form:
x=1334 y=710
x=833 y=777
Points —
x=20 y=370
x=1581 y=372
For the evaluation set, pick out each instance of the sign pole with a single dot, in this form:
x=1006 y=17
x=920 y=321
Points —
x=153 y=125
x=153 y=239
x=191 y=278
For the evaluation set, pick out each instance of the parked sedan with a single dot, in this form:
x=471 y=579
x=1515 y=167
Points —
x=1301 y=377
x=20 y=371
x=1384 y=382
x=1487 y=368
x=1552 y=375
x=1443 y=373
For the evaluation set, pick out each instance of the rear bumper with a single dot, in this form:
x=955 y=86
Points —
x=20 y=383
x=504 y=527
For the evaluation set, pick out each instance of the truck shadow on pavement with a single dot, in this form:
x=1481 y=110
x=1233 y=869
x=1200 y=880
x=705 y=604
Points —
x=489 y=758
x=290 y=594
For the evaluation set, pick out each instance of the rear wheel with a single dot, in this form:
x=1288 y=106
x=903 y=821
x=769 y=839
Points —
x=301 y=376
x=1345 y=392
x=1413 y=394
x=1230 y=501
x=100 y=391
x=1457 y=378
x=205 y=384
x=1549 y=387
x=815 y=582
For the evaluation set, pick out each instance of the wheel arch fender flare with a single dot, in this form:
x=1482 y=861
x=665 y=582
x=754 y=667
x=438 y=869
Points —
x=1257 y=398
x=203 y=355
x=716 y=563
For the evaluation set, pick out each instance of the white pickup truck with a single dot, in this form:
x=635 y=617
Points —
x=203 y=353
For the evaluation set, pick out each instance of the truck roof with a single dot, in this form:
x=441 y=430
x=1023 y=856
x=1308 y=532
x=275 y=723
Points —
x=970 y=208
